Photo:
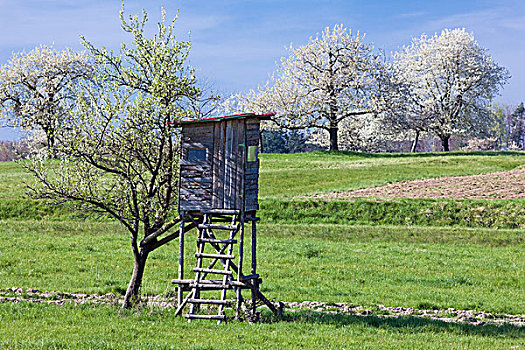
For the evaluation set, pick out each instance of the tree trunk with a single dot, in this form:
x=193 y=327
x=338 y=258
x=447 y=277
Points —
x=261 y=147
x=50 y=143
x=444 y=143
x=132 y=293
x=333 y=137
x=414 y=144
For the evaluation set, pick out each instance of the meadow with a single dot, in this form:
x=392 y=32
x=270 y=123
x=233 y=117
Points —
x=425 y=254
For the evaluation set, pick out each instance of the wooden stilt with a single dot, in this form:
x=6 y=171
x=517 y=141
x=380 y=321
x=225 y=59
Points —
x=254 y=268
x=181 y=260
x=254 y=247
x=200 y=251
x=238 y=291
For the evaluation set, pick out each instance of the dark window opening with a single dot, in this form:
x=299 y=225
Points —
x=196 y=154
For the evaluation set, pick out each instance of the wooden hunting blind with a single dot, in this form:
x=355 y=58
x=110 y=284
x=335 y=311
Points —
x=219 y=166
x=218 y=194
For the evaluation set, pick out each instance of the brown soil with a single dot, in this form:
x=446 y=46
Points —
x=500 y=185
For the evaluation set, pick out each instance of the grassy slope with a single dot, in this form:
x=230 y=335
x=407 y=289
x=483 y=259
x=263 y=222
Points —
x=508 y=214
x=392 y=265
x=284 y=177
x=289 y=175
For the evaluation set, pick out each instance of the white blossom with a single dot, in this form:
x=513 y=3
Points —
x=37 y=89
x=444 y=84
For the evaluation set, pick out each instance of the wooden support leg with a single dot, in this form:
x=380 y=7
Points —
x=240 y=302
x=239 y=271
x=267 y=302
x=195 y=308
x=254 y=269
x=181 y=261
x=183 y=303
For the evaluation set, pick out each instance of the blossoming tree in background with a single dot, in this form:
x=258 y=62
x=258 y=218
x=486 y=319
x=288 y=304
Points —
x=319 y=85
x=37 y=90
x=446 y=82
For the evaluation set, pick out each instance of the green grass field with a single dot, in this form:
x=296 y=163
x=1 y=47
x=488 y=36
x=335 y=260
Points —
x=364 y=252
x=103 y=327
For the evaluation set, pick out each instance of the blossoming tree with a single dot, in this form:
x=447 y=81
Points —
x=446 y=82
x=120 y=156
x=37 y=89
x=319 y=85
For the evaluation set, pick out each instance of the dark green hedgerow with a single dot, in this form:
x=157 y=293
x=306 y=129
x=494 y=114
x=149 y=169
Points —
x=28 y=209
x=418 y=212
x=508 y=214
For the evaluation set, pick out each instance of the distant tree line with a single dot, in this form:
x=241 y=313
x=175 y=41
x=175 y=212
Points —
x=507 y=129
x=335 y=92
x=13 y=150
x=283 y=141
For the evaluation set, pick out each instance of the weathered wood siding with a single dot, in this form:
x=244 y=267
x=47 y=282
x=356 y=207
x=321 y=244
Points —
x=218 y=170
x=228 y=165
x=225 y=180
x=196 y=175
x=251 y=177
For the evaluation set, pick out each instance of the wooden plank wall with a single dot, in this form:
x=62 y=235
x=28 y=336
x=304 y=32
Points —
x=218 y=165
x=251 y=190
x=196 y=176
x=226 y=180
x=233 y=164
x=240 y=156
x=228 y=163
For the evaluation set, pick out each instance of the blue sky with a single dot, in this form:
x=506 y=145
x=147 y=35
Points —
x=236 y=43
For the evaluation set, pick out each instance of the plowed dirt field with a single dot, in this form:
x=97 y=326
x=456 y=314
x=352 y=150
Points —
x=499 y=185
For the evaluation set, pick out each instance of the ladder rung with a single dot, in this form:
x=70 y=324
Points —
x=208 y=301
x=222 y=211
x=216 y=240
x=210 y=286
x=215 y=256
x=216 y=284
x=222 y=218
x=179 y=281
x=219 y=227
x=205 y=317
x=190 y=283
x=221 y=272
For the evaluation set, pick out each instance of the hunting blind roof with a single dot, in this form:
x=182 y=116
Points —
x=261 y=116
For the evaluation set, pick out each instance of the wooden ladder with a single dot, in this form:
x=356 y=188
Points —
x=224 y=253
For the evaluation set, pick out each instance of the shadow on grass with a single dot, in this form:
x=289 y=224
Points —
x=403 y=324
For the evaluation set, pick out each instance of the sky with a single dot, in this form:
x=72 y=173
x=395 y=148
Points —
x=236 y=43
